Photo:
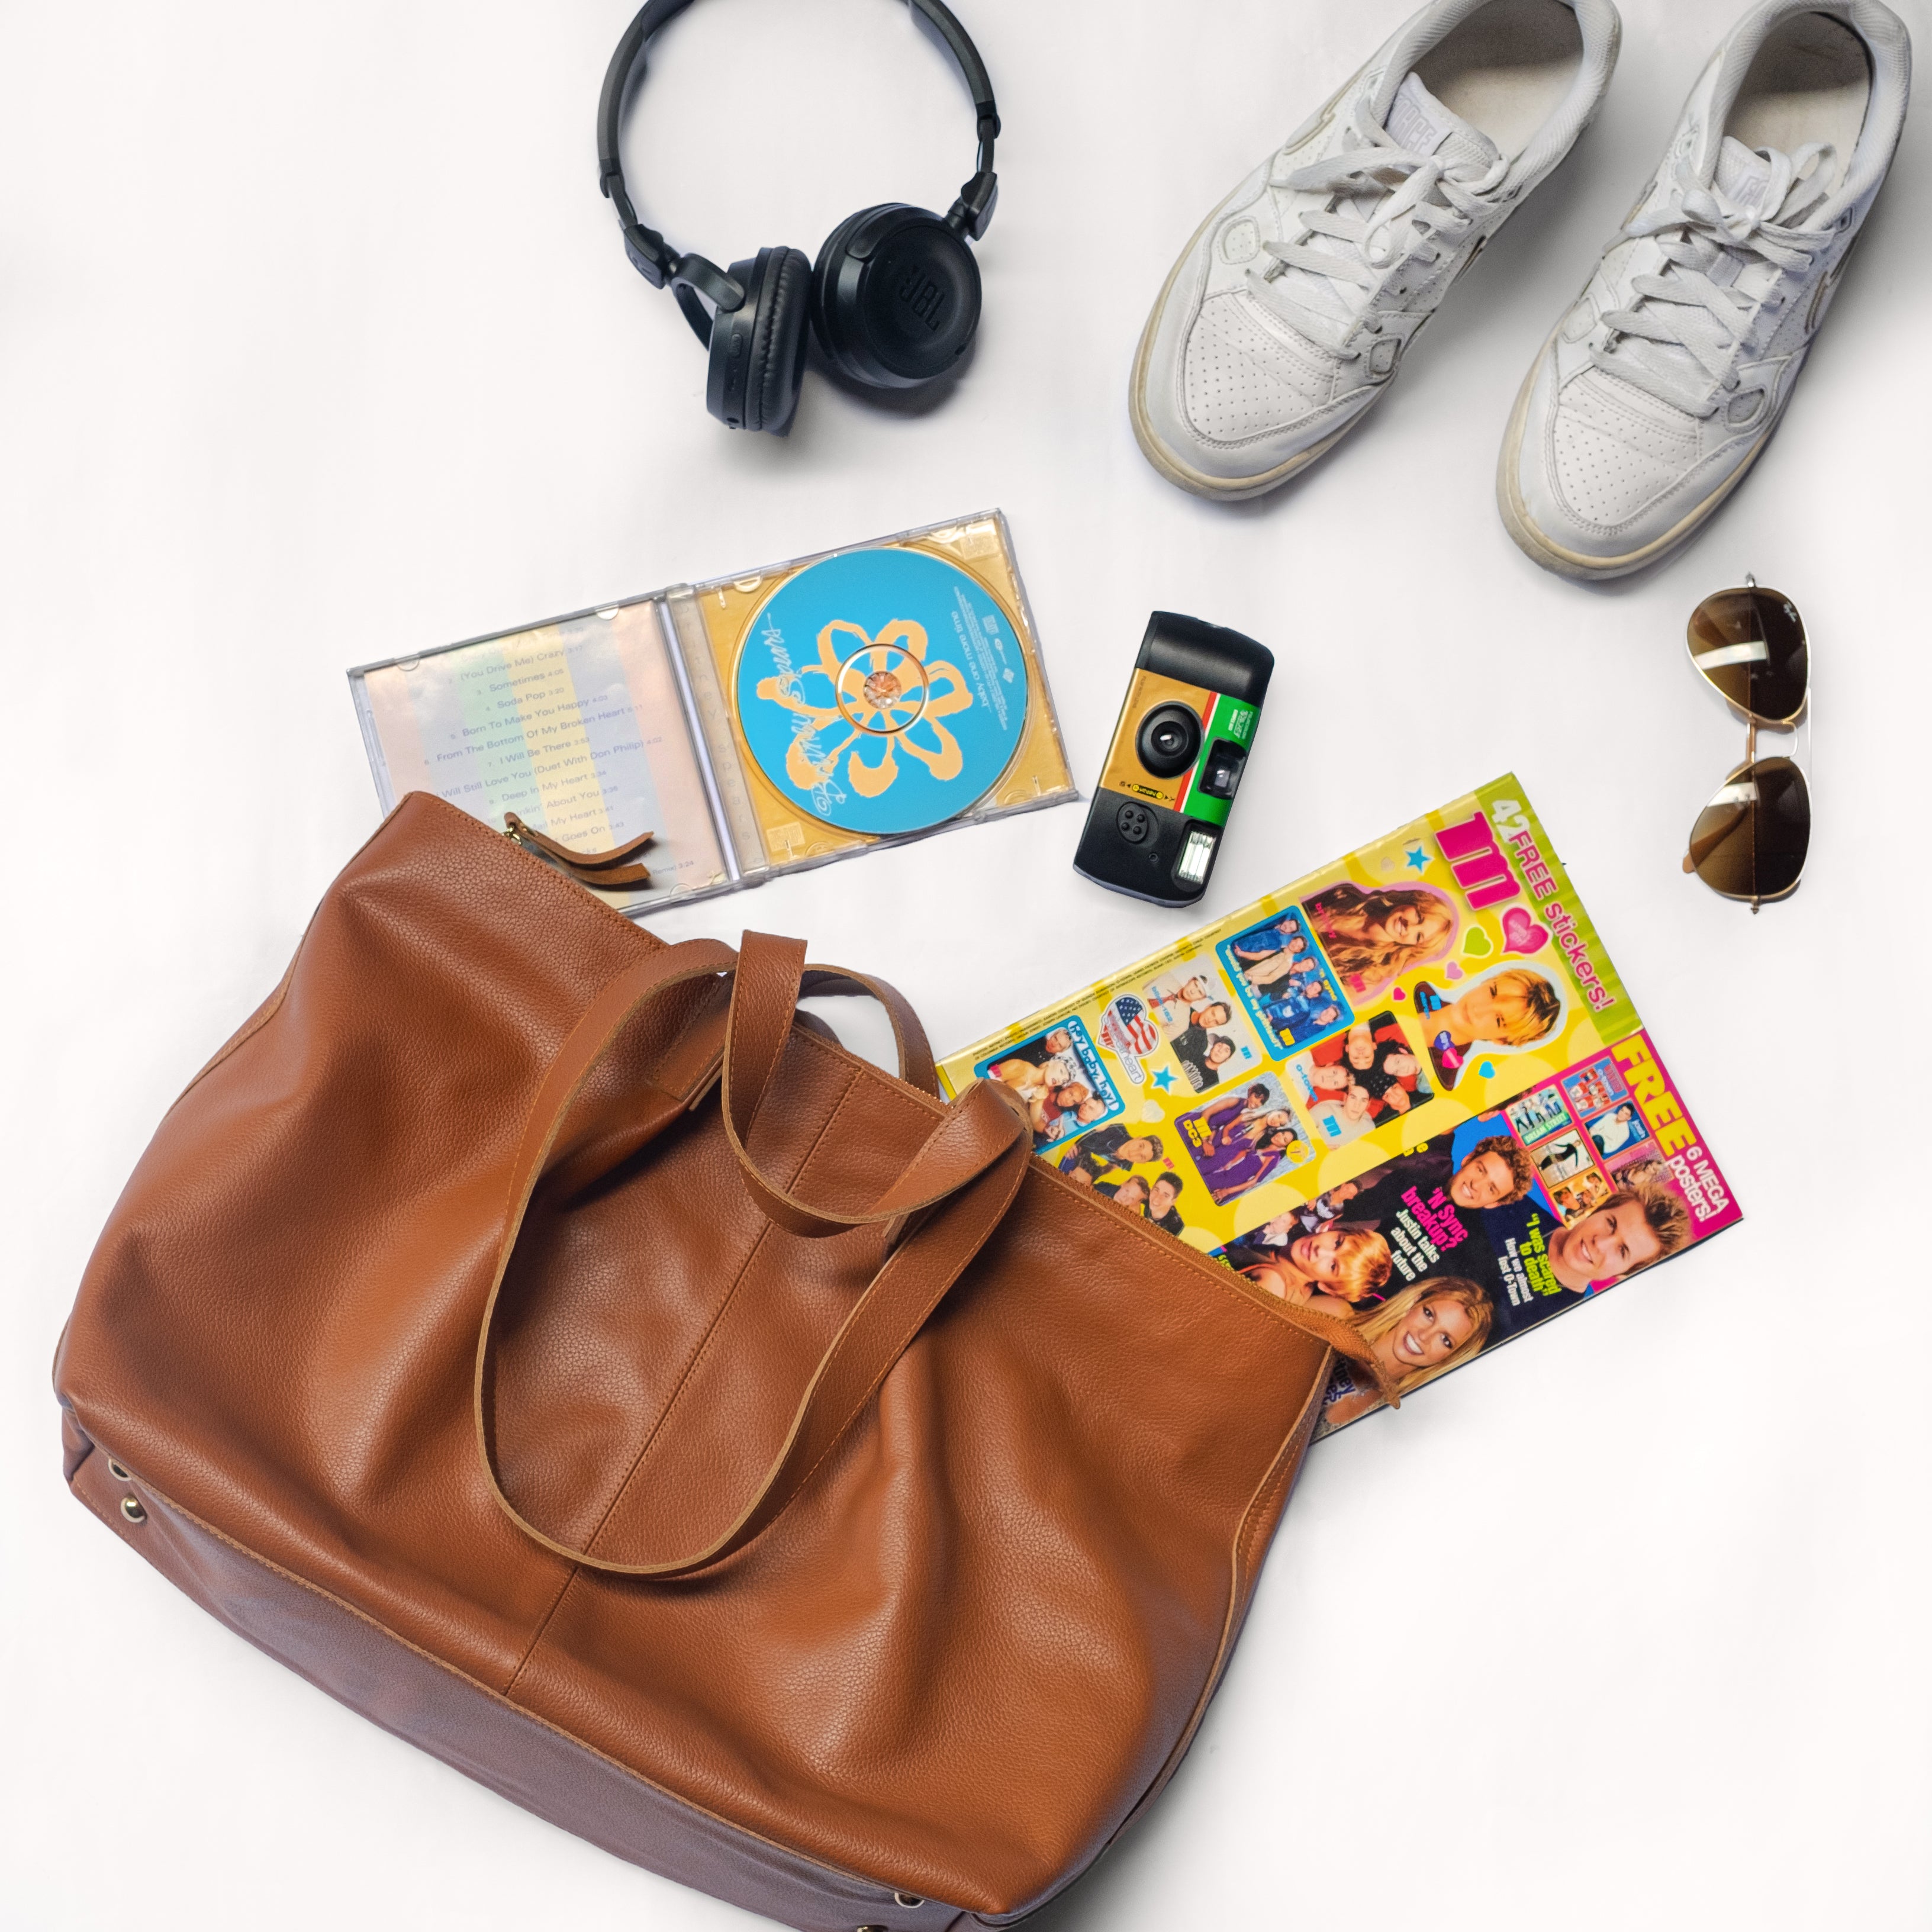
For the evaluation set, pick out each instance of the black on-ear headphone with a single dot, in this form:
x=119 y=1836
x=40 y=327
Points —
x=893 y=297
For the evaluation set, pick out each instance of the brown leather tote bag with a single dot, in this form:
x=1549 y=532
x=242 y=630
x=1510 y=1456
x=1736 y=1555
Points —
x=553 y=1345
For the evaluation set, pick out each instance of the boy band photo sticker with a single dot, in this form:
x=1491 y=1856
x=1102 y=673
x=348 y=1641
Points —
x=1354 y=1081
x=1286 y=981
x=1210 y=1036
x=1060 y=1076
x=1108 y=1160
x=1238 y=1143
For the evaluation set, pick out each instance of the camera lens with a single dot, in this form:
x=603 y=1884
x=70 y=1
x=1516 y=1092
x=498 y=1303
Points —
x=1170 y=736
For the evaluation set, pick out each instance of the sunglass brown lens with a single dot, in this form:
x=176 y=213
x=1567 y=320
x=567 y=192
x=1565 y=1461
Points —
x=1750 y=842
x=1751 y=644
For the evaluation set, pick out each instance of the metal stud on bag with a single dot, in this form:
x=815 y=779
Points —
x=114 y=1470
x=130 y=1507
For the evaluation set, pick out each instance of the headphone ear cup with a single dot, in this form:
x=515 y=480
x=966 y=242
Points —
x=757 y=349
x=895 y=297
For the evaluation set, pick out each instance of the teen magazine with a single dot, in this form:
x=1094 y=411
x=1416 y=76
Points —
x=1409 y=1089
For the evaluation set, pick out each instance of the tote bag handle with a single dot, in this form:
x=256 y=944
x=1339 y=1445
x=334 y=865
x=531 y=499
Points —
x=956 y=1187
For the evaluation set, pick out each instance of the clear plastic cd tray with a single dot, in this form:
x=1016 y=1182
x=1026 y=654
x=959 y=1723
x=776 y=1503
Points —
x=757 y=725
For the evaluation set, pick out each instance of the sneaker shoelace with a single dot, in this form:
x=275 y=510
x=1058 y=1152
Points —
x=1695 y=306
x=1403 y=204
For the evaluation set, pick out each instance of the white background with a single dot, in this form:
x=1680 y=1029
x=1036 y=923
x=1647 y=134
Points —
x=318 y=345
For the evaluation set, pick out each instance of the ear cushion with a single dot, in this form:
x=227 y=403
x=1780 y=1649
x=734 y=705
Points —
x=758 y=350
x=777 y=351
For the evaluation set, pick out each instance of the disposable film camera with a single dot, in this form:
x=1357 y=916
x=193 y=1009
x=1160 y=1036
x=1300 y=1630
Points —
x=1176 y=761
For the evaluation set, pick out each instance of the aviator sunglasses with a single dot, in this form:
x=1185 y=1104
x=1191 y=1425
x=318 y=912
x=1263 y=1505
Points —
x=1750 y=842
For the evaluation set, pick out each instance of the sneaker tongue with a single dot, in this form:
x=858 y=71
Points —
x=1744 y=176
x=1424 y=126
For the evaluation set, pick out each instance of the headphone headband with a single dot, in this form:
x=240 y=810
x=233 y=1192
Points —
x=690 y=276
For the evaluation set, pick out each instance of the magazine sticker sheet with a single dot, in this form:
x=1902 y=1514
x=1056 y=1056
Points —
x=1409 y=1089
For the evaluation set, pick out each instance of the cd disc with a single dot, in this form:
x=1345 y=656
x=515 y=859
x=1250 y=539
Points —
x=882 y=691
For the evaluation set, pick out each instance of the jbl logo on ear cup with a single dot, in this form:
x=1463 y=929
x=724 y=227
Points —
x=924 y=296
x=895 y=297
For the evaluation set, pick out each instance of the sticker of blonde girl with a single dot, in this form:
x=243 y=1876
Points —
x=1419 y=1333
x=1340 y=1270
x=1373 y=937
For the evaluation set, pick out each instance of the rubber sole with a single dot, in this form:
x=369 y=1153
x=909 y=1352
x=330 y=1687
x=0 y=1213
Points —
x=1543 y=549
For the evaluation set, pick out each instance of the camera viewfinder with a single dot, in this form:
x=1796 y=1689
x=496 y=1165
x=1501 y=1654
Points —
x=1221 y=775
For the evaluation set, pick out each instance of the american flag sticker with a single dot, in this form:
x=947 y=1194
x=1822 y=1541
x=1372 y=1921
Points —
x=1129 y=1035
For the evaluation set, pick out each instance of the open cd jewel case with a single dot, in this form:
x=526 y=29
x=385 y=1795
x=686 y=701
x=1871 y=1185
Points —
x=756 y=725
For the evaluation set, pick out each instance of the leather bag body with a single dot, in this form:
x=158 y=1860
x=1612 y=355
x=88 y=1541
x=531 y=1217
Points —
x=550 y=1344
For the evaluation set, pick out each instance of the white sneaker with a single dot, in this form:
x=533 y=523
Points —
x=1655 y=393
x=1290 y=311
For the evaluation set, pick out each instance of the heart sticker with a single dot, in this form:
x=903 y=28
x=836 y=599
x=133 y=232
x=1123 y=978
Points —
x=1399 y=994
x=1487 y=1069
x=1521 y=933
x=1477 y=943
x=1452 y=971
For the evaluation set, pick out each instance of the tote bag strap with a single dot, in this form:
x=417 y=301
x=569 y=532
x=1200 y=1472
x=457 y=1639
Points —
x=916 y=1063
x=959 y=1182
x=772 y=975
